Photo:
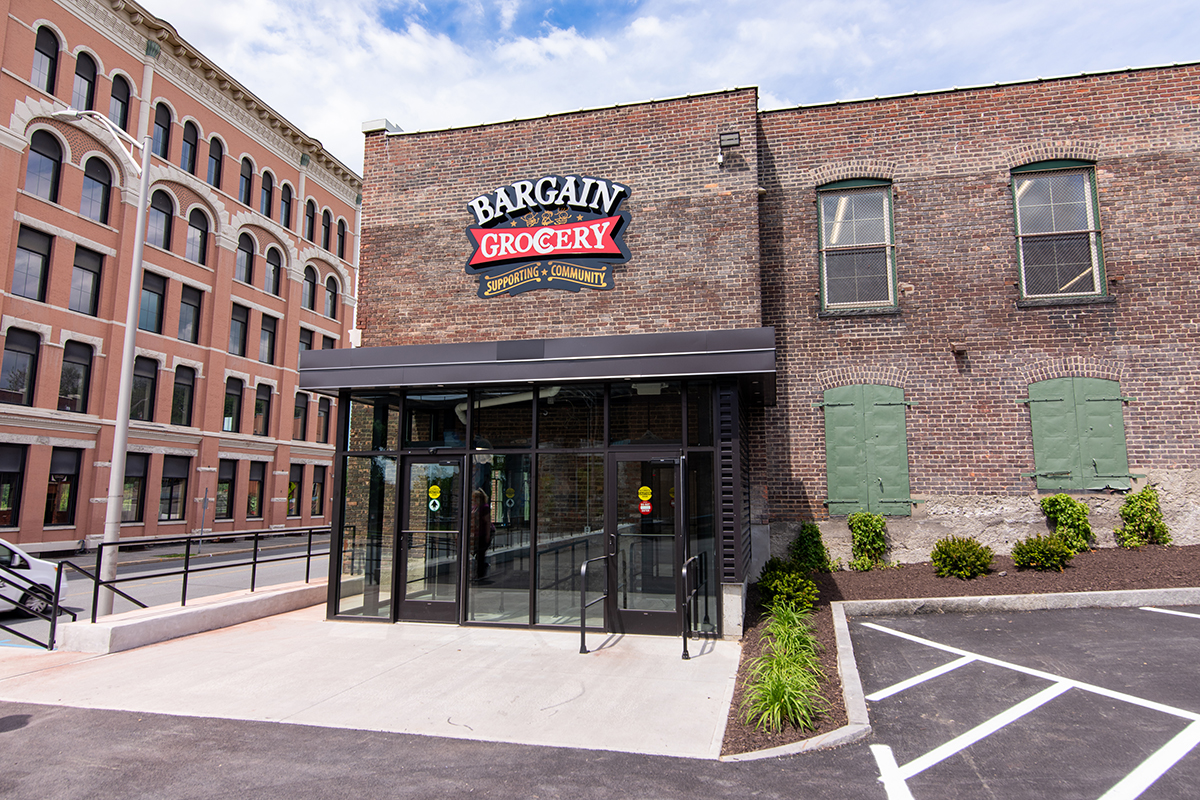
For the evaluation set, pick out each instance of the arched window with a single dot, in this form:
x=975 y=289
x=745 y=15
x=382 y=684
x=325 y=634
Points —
x=246 y=184
x=45 y=60
x=83 y=93
x=308 y=293
x=244 y=266
x=331 y=298
x=268 y=194
x=19 y=369
x=216 y=155
x=326 y=228
x=342 y=238
x=187 y=156
x=231 y=420
x=118 y=103
x=310 y=220
x=161 y=145
x=158 y=220
x=274 y=269
x=97 y=186
x=145 y=380
x=197 y=237
x=76 y=377
x=181 y=400
x=41 y=171
x=285 y=206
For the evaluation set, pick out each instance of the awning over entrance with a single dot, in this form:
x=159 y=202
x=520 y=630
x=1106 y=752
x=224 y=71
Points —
x=748 y=353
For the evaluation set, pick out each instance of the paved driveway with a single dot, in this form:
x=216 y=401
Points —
x=1081 y=703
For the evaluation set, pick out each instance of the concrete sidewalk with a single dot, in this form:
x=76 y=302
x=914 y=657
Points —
x=631 y=694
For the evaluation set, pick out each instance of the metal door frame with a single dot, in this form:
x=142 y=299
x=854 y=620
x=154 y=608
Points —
x=428 y=610
x=648 y=622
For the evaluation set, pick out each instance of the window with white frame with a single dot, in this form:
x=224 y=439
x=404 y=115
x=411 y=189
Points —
x=857 y=256
x=1058 y=230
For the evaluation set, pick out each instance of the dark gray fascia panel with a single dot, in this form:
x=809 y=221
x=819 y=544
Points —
x=748 y=353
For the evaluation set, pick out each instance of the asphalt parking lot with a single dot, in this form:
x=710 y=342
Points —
x=1080 y=703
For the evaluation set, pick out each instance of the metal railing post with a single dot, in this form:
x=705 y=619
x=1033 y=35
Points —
x=187 y=560
x=254 y=563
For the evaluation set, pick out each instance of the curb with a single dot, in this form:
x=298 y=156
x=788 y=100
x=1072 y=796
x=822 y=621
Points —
x=858 y=725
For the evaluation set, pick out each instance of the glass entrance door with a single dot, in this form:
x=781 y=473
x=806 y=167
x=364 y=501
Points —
x=430 y=534
x=644 y=571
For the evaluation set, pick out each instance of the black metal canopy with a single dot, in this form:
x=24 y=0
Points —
x=745 y=353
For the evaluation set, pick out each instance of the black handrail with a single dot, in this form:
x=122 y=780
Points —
x=189 y=569
x=583 y=603
x=29 y=587
x=689 y=599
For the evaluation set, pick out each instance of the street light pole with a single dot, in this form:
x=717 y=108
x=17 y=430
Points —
x=116 y=477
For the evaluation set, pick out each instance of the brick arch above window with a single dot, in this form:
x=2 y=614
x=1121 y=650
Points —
x=1071 y=367
x=849 y=170
x=845 y=376
x=1051 y=151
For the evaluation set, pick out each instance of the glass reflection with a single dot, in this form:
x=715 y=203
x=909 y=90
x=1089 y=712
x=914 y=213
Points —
x=500 y=529
x=434 y=517
x=374 y=422
x=645 y=413
x=368 y=521
x=570 y=517
x=573 y=416
x=435 y=419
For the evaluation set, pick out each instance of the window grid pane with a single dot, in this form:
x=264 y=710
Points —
x=856 y=258
x=1059 y=247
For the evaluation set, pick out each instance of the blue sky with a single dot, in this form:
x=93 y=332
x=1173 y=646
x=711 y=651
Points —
x=426 y=65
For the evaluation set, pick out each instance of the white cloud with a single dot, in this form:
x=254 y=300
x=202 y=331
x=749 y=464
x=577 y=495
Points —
x=327 y=67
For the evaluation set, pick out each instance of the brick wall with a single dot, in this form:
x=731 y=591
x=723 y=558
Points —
x=949 y=157
x=693 y=231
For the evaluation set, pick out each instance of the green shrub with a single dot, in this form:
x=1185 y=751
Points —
x=784 y=683
x=1070 y=518
x=868 y=541
x=962 y=557
x=1042 y=553
x=807 y=551
x=782 y=583
x=1143 y=520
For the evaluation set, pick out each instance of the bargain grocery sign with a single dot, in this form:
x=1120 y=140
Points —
x=556 y=232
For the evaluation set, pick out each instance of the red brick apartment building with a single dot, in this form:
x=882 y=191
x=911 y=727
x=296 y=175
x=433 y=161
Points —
x=656 y=338
x=250 y=258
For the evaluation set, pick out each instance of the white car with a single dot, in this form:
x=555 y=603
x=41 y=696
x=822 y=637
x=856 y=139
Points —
x=36 y=571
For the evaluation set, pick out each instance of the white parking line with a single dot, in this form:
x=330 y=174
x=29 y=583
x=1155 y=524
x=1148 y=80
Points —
x=1037 y=673
x=1150 y=770
x=1169 y=611
x=889 y=773
x=959 y=743
x=918 y=679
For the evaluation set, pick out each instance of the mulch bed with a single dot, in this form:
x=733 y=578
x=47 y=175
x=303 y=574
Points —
x=1109 y=569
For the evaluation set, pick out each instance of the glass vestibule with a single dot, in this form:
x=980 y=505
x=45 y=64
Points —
x=496 y=531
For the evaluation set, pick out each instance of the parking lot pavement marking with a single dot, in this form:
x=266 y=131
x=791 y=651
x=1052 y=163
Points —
x=963 y=741
x=1150 y=770
x=1037 y=673
x=896 y=688
x=1170 y=611
x=889 y=773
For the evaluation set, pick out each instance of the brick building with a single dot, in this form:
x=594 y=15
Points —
x=250 y=258
x=937 y=307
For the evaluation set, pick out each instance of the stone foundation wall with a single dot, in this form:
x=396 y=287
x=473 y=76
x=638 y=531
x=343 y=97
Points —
x=1000 y=522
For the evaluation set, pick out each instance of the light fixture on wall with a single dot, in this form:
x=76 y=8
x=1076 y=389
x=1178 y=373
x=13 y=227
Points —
x=724 y=140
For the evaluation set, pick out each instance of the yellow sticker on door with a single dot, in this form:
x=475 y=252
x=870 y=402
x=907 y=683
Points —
x=644 y=493
x=435 y=491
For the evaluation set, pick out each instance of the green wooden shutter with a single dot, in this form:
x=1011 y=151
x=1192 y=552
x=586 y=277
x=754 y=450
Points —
x=866 y=450
x=1055 y=435
x=845 y=455
x=1104 y=460
x=1078 y=435
x=887 y=451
